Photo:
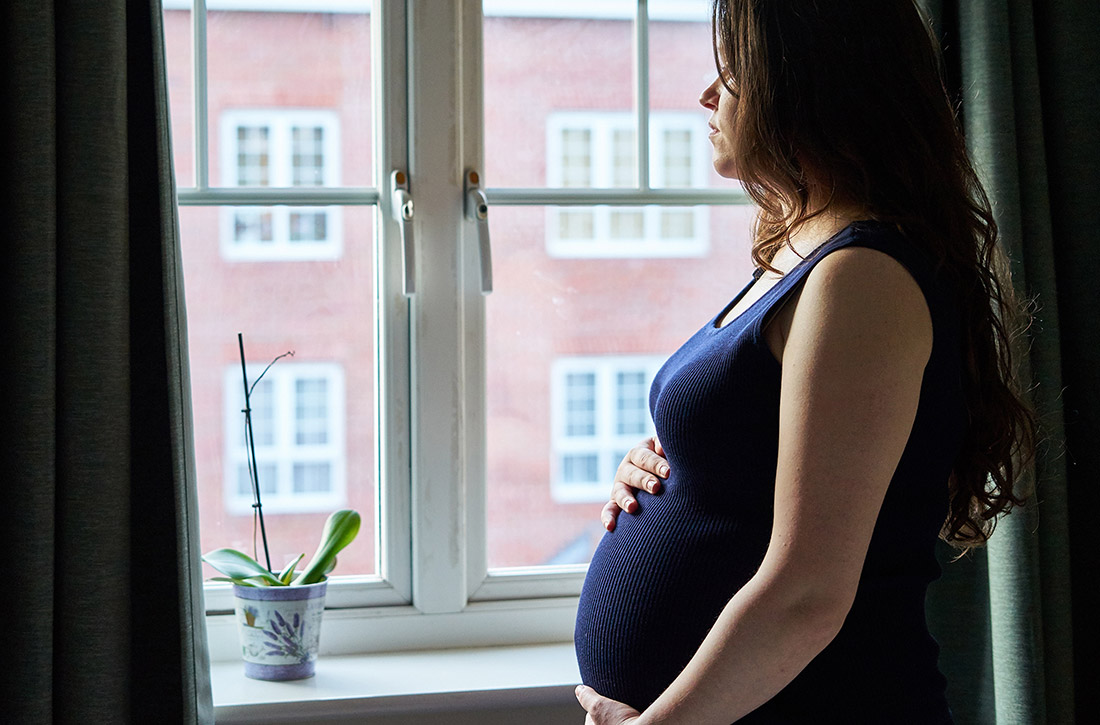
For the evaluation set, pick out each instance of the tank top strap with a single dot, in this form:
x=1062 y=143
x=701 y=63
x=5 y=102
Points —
x=871 y=234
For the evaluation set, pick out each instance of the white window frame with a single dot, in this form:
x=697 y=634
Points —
x=433 y=587
x=651 y=243
x=280 y=122
x=284 y=452
x=606 y=443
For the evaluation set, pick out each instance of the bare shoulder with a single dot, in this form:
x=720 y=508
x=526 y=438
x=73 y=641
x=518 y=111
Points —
x=859 y=294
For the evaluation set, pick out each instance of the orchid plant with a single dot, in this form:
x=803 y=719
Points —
x=240 y=568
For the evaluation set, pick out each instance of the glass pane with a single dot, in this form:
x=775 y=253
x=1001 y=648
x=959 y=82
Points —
x=625 y=231
x=631 y=403
x=580 y=469
x=305 y=78
x=681 y=65
x=312 y=412
x=572 y=345
x=624 y=157
x=177 y=52
x=546 y=62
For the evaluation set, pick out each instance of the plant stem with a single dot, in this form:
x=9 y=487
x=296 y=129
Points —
x=254 y=470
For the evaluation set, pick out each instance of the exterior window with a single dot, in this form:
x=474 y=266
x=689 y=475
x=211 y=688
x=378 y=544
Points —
x=280 y=148
x=600 y=411
x=598 y=150
x=298 y=431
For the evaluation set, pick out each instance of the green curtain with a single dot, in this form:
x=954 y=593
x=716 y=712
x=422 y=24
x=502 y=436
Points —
x=1026 y=75
x=99 y=523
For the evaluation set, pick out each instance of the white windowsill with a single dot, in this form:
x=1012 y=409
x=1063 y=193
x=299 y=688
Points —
x=401 y=682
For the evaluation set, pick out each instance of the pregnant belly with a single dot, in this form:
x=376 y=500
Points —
x=654 y=589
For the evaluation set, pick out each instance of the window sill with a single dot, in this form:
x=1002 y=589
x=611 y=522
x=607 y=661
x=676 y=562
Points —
x=399 y=683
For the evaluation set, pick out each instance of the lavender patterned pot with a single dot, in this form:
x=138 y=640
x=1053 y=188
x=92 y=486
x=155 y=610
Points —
x=280 y=629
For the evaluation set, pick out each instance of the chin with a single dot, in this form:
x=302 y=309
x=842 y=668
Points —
x=727 y=171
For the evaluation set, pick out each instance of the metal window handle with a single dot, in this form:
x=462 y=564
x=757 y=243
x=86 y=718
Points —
x=401 y=207
x=477 y=211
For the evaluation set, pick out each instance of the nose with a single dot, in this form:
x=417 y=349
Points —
x=709 y=98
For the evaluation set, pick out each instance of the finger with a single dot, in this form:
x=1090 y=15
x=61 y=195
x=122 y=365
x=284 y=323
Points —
x=590 y=700
x=610 y=515
x=640 y=478
x=658 y=448
x=646 y=458
x=623 y=495
x=603 y=709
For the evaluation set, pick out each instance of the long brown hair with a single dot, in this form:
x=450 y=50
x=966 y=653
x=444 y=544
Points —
x=846 y=101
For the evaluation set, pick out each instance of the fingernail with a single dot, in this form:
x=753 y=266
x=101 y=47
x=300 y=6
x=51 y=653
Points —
x=607 y=523
x=663 y=470
x=629 y=502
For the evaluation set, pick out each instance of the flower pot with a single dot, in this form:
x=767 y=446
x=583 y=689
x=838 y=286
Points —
x=280 y=629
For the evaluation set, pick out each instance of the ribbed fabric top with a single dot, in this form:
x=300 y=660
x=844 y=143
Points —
x=657 y=583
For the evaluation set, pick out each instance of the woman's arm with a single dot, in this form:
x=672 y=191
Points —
x=853 y=358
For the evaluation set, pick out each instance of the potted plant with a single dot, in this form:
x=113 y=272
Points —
x=279 y=614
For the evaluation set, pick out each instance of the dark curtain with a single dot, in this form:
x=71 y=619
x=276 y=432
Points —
x=99 y=522
x=1018 y=644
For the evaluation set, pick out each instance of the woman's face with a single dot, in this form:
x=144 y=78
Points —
x=723 y=108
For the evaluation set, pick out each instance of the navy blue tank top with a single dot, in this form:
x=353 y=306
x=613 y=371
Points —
x=657 y=584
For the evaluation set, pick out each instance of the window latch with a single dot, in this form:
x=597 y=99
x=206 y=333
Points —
x=401 y=207
x=477 y=211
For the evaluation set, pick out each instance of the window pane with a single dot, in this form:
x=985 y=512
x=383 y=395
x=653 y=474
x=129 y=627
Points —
x=676 y=153
x=253 y=156
x=631 y=398
x=537 y=63
x=576 y=157
x=677 y=224
x=580 y=405
x=261 y=401
x=309 y=226
x=312 y=413
x=627 y=224
x=177 y=53
x=624 y=231
x=311 y=477
x=681 y=65
x=576 y=224
x=253 y=226
x=267 y=474
x=567 y=396
x=580 y=469
x=623 y=157
x=270 y=59
x=308 y=156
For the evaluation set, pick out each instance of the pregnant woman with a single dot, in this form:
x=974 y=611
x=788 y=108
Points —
x=766 y=561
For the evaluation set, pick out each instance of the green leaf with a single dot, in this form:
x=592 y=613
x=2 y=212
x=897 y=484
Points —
x=242 y=582
x=288 y=570
x=340 y=530
x=236 y=565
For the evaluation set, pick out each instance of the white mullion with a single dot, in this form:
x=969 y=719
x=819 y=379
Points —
x=439 y=483
x=392 y=390
x=641 y=91
x=198 y=83
x=473 y=330
x=517 y=196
